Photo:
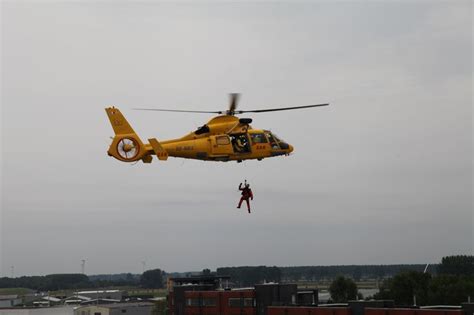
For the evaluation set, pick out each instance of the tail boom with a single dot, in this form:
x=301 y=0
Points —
x=127 y=146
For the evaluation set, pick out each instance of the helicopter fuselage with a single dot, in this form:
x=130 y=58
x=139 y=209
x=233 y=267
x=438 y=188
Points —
x=223 y=138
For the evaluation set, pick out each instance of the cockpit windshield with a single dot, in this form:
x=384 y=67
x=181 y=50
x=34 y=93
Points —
x=271 y=139
x=276 y=138
x=275 y=142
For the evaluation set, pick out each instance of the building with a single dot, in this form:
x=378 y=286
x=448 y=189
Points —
x=102 y=294
x=76 y=300
x=10 y=300
x=238 y=301
x=207 y=296
x=116 y=309
x=305 y=310
x=307 y=297
x=64 y=310
x=178 y=286
x=383 y=307
x=210 y=295
x=274 y=294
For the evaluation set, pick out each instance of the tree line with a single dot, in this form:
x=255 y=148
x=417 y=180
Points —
x=251 y=275
x=453 y=284
x=248 y=276
x=356 y=272
x=54 y=282
x=240 y=276
x=454 y=272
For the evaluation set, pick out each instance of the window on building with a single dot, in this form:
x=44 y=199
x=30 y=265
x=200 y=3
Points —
x=201 y=302
x=258 y=138
x=97 y=313
x=235 y=302
x=209 y=302
x=249 y=302
x=124 y=311
x=192 y=302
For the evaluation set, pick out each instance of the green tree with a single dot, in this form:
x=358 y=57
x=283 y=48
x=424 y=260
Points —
x=457 y=265
x=65 y=281
x=404 y=286
x=206 y=272
x=343 y=289
x=152 y=279
x=450 y=289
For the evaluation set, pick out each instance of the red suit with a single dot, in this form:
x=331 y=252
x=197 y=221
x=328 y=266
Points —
x=246 y=195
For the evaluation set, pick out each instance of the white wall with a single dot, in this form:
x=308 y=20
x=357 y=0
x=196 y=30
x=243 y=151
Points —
x=39 y=311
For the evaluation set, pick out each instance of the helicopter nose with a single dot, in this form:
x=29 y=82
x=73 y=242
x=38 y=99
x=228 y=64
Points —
x=290 y=148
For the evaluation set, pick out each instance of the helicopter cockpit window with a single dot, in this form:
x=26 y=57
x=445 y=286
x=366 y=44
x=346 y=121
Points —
x=258 y=138
x=283 y=145
x=201 y=130
x=240 y=143
x=272 y=140
x=276 y=138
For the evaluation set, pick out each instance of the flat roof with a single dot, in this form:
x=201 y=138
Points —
x=9 y=297
x=441 y=307
x=198 y=278
x=225 y=290
x=120 y=305
x=98 y=291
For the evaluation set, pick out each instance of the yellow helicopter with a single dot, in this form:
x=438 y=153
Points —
x=224 y=138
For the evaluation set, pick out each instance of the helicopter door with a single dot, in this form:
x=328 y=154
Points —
x=240 y=143
x=220 y=145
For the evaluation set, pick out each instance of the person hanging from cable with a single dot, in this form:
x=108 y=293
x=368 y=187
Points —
x=246 y=195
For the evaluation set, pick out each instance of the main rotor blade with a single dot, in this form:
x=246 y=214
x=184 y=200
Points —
x=179 y=111
x=234 y=99
x=278 y=109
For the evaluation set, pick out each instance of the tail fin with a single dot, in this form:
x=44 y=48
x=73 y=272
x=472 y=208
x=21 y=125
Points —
x=126 y=145
x=119 y=123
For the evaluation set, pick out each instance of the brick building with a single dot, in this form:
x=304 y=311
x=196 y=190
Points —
x=211 y=295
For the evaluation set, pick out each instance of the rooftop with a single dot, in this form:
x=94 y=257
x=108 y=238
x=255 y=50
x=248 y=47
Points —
x=97 y=292
x=121 y=305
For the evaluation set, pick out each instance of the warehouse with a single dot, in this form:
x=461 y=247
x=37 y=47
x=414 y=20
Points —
x=116 y=309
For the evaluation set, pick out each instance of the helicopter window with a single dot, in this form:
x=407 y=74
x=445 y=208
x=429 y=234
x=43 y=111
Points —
x=258 y=138
x=240 y=143
x=222 y=140
x=276 y=138
x=202 y=129
x=273 y=143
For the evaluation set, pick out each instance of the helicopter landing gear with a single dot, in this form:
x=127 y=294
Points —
x=239 y=161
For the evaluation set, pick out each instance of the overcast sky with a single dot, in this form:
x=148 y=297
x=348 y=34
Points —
x=383 y=175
